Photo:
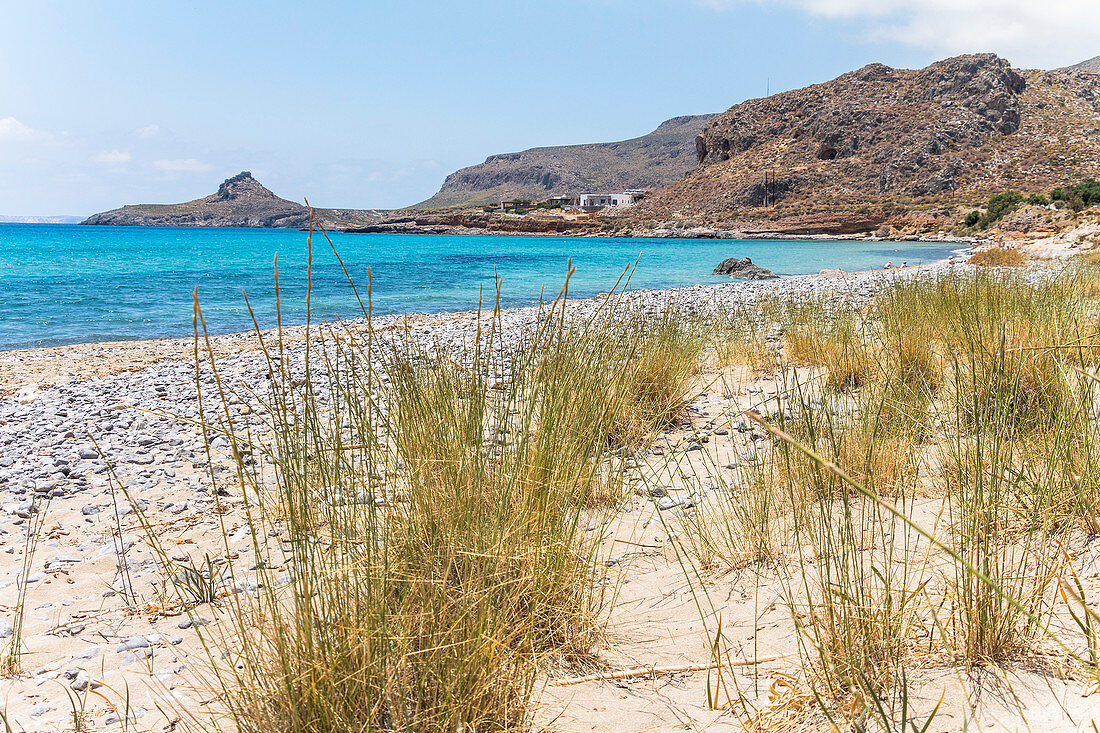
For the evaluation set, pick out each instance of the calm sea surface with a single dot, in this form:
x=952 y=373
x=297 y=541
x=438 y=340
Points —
x=66 y=284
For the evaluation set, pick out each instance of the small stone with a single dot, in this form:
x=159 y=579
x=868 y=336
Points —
x=134 y=642
x=41 y=709
x=82 y=681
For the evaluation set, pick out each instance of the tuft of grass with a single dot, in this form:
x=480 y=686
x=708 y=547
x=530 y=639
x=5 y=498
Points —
x=431 y=507
x=11 y=659
x=837 y=346
x=998 y=257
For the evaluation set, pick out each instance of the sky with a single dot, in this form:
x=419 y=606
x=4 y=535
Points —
x=371 y=104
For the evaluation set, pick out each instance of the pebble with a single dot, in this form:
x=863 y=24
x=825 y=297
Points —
x=82 y=681
x=134 y=642
x=90 y=653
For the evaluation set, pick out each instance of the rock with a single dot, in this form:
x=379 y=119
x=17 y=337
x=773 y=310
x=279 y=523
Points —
x=82 y=681
x=744 y=269
x=117 y=546
x=41 y=709
x=134 y=642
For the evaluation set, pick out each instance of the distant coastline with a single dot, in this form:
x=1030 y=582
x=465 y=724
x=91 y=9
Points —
x=40 y=219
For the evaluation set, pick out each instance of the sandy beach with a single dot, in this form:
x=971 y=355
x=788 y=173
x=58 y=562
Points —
x=86 y=430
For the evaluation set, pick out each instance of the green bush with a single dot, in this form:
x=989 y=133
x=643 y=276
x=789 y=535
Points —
x=972 y=218
x=999 y=205
x=1038 y=199
x=1078 y=197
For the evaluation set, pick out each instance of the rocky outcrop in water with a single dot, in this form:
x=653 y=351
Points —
x=744 y=269
x=240 y=201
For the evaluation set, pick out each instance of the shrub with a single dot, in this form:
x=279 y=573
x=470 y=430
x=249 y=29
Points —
x=1078 y=197
x=1038 y=199
x=973 y=218
x=999 y=205
x=998 y=257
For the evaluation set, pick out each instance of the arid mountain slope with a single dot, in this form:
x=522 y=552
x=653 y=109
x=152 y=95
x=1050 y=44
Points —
x=1092 y=65
x=241 y=201
x=847 y=153
x=652 y=160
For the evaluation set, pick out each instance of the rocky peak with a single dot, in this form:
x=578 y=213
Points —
x=957 y=101
x=241 y=186
x=983 y=83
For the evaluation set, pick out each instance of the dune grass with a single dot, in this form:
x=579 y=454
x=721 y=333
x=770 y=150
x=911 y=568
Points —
x=427 y=527
x=998 y=257
x=431 y=511
x=933 y=494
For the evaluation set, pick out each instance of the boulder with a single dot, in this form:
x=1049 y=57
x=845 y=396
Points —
x=743 y=268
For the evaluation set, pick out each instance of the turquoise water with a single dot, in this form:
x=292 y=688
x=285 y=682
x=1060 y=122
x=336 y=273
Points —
x=65 y=284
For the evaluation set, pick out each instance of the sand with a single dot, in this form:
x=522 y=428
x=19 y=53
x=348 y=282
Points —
x=137 y=655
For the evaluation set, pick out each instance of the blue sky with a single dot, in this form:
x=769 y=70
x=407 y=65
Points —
x=372 y=104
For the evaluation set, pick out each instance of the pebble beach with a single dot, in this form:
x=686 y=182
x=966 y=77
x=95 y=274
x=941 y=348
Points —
x=89 y=433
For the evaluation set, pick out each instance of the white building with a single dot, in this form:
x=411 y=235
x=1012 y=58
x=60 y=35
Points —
x=596 y=201
x=601 y=200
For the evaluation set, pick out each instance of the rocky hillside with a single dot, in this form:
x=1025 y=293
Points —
x=241 y=201
x=848 y=154
x=650 y=161
x=1092 y=65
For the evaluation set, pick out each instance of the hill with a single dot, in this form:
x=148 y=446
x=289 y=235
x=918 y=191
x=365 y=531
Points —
x=240 y=201
x=850 y=153
x=1092 y=65
x=649 y=161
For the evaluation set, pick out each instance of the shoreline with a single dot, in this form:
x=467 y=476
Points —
x=965 y=245
x=60 y=364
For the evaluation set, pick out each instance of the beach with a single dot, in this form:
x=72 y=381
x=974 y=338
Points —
x=103 y=444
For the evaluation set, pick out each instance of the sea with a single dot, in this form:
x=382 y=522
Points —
x=66 y=284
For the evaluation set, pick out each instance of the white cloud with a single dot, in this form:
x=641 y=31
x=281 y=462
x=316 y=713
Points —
x=12 y=130
x=188 y=165
x=112 y=157
x=1030 y=34
x=147 y=132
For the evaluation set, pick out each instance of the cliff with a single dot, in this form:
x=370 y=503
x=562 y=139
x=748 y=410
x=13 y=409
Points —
x=847 y=154
x=240 y=201
x=650 y=161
